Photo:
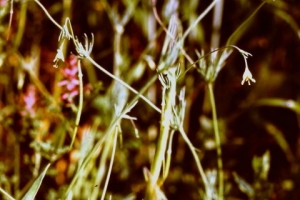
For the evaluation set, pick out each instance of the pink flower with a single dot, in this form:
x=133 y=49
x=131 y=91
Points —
x=70 y=82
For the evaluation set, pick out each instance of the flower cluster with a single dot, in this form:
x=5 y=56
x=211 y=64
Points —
x=70 y=82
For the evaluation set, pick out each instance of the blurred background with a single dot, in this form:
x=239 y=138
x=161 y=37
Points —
x=259 y=123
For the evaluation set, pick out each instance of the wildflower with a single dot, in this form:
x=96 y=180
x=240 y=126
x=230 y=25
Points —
x=247 y=76
x=71 y=81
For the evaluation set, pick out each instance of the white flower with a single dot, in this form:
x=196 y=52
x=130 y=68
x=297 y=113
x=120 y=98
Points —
x=247 y=76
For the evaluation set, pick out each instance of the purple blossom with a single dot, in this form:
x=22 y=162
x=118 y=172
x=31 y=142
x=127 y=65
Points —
x=70 y=82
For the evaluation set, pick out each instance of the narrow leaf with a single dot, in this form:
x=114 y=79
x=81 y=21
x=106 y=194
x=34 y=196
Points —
x=36 y=185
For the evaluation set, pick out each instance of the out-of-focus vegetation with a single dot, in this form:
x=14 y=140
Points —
x=143 y=99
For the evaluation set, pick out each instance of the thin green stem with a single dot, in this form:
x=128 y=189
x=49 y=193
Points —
x=79 y=110
x=218 y=142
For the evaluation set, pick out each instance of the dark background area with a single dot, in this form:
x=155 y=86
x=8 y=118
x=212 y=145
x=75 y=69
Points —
x=250 y=123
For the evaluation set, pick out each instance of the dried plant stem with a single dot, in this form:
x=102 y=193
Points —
x=218 y=142
x=168 y=102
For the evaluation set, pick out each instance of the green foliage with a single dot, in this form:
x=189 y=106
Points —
x=144 y=99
